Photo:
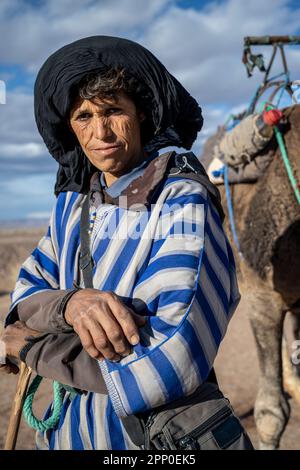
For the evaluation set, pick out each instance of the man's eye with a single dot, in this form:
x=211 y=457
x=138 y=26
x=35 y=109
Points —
x=113 y=111
x=83 y=117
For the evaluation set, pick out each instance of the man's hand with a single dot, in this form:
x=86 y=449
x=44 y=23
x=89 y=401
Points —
x=106 y=327
x=13 y=339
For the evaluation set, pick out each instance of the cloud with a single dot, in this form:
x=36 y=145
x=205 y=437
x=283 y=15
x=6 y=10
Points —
x=207 y=56
x=22 y=150
x=20 y=185
x=25 y=194
x=31 y=33
x=17 y=119
x=201 y=46
x=27 y=150
x=38 y=215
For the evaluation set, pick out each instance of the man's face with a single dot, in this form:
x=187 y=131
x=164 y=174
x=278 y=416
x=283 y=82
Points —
x=109 y=133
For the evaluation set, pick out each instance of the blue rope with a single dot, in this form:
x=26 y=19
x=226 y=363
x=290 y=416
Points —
x=223 y=172
x=254 y=97
x=231 y=126
x=252 y=101
x=283 y=87
x=230 y=211
x=276 y=76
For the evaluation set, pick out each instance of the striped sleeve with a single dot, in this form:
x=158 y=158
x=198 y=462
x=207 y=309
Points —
x=40 y=270
x=190 y=292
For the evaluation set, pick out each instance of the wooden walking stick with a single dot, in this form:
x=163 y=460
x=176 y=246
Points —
x=17 y=406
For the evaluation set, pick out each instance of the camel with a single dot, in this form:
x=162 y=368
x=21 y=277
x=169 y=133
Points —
x=267 y=218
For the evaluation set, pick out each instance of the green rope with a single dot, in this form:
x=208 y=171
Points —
x=284 y=154
x=287 y=163
x=52 y=421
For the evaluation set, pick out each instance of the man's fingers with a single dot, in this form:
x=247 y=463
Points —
x=101 y=340
x=125 y=318
x=95 y=341
x=88 y=344
x=108 y=326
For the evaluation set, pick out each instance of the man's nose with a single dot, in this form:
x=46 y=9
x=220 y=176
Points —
x=102 y=128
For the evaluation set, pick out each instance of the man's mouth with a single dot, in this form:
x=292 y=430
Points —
x=107 y=150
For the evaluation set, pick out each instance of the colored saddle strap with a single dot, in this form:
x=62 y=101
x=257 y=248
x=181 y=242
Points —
x=85 y=260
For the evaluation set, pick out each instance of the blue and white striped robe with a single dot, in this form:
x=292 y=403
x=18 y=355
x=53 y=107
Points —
x=177 y=260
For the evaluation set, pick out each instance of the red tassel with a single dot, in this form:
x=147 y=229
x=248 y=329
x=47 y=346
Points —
x=272 y=117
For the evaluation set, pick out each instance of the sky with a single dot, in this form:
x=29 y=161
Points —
x=200 y=42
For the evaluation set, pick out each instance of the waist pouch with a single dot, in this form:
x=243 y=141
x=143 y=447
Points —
x=203 y=421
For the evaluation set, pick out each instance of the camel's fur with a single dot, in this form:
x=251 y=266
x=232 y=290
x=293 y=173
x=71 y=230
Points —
x=267 y=218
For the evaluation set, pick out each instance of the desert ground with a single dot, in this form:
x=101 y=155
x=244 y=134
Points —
x=236 y=364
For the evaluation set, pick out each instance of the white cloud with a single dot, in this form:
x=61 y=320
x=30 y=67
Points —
x=17 y=119
x=26 y=194
x=28 y=150
x=36 y=185
x=38 y=215
x=22 y=150
x=56 y=23
x=202 y=48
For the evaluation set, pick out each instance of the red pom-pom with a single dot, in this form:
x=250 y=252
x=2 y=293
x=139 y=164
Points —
x=272 y=117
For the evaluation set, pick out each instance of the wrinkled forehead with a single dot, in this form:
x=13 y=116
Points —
x=102 y=103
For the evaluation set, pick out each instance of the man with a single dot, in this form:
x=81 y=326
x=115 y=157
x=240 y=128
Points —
x=151 y=304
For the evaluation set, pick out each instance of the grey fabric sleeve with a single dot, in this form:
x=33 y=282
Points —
x=250 y=172
x=44 y=311
x=57 y=353
x=61 y=357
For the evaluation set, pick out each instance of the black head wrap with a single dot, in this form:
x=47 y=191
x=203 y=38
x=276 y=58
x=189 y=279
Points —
x=174 y=116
